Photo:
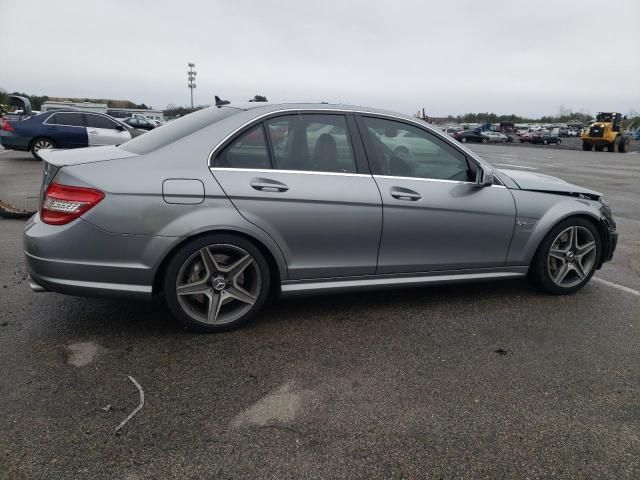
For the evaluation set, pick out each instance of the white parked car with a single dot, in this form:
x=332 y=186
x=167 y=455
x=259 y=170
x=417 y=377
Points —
x=496 y=136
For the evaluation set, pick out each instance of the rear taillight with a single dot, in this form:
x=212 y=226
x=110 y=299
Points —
x=62 y=203
x=7 y=127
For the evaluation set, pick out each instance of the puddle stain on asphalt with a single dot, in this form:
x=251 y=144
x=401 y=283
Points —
x=280 y=406
x=81 y=354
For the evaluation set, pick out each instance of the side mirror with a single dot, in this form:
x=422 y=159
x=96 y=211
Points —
x=120 y=127
x=484 y=177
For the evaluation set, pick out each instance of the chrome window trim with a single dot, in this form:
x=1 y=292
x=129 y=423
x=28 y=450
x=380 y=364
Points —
x=276 y=170
x=419 y=124
x=393 y=177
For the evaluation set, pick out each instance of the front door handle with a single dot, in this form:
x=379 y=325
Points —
x=268 y=185
x=405 y=194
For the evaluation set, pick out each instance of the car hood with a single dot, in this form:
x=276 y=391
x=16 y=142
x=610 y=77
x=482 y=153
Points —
x=539 y=182
x=77 y=156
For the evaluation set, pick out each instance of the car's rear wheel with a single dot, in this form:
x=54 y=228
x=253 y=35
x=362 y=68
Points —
x=216 y=283
x=567 y=257
x=558 y=142
x=40 y=143
x=485 y=140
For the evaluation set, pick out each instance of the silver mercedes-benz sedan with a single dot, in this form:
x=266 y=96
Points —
x=224 y=207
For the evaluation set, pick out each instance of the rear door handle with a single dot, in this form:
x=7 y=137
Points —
x=405 y=194
x=268 y=185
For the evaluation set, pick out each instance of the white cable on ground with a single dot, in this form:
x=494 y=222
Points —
x=137 y=409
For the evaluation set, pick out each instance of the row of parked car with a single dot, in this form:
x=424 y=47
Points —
x=478 y=136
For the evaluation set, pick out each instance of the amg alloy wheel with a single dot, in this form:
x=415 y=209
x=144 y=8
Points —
x=572 y=256
x=567 y=257
x=216 y=286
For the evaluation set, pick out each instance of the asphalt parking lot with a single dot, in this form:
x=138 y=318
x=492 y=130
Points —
x=490 y=380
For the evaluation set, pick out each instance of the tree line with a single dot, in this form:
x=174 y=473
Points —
x=37 y=100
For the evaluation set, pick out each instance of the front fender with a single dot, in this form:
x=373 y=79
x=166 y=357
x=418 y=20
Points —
x=537 y=214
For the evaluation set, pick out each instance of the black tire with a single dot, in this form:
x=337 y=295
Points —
x=539 y=271
x=9 y=211
x=484 y=140
x=624 y=144
x=613 y=147
x=183 y=255
x=587 y=147
x=504 y=140
x=34 y=146
x=545 y=141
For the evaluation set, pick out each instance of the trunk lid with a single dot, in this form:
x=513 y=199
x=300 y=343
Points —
x=77 y=156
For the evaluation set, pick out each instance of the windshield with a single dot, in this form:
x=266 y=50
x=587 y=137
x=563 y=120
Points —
x=176 y=129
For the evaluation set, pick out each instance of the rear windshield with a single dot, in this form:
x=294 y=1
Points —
x=176 y=129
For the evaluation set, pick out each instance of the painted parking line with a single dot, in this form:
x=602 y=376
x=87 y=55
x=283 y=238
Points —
x=515 y=166
x=619 y=287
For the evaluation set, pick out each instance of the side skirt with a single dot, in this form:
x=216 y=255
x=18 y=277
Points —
x=368 y=282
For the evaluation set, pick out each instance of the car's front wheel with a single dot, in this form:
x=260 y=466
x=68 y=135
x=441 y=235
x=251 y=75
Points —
x=567 y=258
x=38 y=144
x=216 y=283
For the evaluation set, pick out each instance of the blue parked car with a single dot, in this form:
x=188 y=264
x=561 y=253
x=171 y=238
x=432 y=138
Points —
x=636 y=135
x=64 y=129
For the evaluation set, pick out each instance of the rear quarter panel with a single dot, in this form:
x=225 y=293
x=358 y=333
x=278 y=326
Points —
x=134 y=203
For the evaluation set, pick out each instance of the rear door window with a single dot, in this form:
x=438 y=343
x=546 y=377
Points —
x=312 y=142
x=248 y=151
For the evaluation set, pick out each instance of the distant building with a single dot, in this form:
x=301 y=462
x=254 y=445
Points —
x=101 y=108
x=50 y=105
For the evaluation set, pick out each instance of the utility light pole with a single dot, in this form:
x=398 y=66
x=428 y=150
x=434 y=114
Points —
x=191 y=75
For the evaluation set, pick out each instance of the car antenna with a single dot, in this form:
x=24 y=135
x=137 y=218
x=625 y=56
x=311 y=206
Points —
x=220 y=102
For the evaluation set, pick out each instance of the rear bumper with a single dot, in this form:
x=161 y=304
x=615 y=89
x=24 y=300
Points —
x=81 y=259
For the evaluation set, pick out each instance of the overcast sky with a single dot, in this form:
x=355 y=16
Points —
x=524 y=57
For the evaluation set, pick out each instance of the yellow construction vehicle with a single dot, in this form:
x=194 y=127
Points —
x=606 y=132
